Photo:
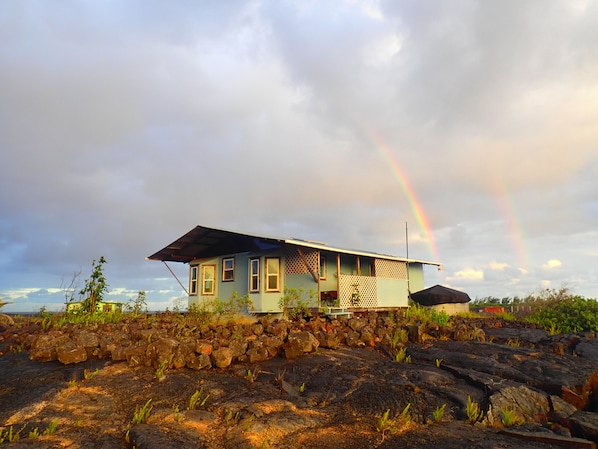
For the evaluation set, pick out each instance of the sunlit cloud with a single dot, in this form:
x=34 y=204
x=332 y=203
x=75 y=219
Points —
x=468 y=274
x=498 y=266
x=551 y=264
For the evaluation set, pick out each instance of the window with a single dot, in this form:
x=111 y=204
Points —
x=322 y=267
x=272 y=274
x=193 y=280
x=228 y=269
x=254 y=275
x=208 y=275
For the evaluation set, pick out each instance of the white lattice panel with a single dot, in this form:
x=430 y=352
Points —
x=294 y=263
x=364 y=285
x=391 y=269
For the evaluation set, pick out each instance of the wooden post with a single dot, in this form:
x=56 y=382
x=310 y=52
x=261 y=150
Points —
x=338 y=277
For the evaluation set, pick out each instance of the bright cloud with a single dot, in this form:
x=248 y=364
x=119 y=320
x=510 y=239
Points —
x=468 y=274
x=551 y=264
x=498 y=266
x=127 y=125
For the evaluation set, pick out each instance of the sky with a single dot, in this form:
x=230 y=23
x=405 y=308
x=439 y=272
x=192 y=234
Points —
x=462 y=132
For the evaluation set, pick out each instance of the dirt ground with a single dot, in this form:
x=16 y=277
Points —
x=329 y=399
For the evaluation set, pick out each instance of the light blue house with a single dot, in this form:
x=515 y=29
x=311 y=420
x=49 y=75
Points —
x=222 y=262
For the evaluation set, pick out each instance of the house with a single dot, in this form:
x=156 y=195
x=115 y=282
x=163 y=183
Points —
x=222 y=262
x=101 y=306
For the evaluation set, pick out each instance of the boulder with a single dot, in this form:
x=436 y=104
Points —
x=222 y=357
x=328 y=340
x=272 y=344
x=279 y=329
x=585 y=425
x=161 y=350
x=117 y=352
x=182 y=354
x=257 y=329
x=87 y=339
x=44 y=348
x=527 y=405
x=237 y=347
x=308 y=341
x=367 y=337
x=198 y=362
x=293 y=349
x=357 y=323
x=353 y=340
x=136 y=356
x=259 y=354
x=203 y=347
x=71 y=353
x=588 y=348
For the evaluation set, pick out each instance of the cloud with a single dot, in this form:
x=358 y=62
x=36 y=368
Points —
x=551 y=264
x=467 y=274
x=120 y=135
x=498 y=266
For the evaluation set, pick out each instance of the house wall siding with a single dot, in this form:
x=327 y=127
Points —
x=392 y=292
x=388 y=288
x=199 y=299
x=331 y=281
x=267 y=302
x=416 y=277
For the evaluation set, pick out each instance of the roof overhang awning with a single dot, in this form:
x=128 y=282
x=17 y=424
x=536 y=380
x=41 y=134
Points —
x=201 y=242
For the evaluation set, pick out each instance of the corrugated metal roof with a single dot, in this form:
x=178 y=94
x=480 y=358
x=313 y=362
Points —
x=203 y=242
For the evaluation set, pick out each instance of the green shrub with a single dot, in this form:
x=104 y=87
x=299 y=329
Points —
x=569 y=314
x=52 y=427
x=426 y=315
x=142 y=413
x=196 y=401
x=234 y=306
x=473 y=410
x=401 y=356
x=510 y=418
x=398 y=336
x=441 y=318
x=438 y=414
x=295 y=304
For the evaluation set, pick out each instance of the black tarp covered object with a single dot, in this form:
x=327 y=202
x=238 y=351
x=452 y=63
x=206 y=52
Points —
x=439 y=295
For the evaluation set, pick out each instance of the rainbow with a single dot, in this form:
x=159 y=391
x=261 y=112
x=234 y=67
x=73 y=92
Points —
x=515 y=230
x=414 y=204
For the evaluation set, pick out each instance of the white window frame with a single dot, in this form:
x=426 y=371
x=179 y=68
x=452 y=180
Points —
x=254 y=275
x=193 y=277
x=272 y=275
x=228 y=273
x=205 y=269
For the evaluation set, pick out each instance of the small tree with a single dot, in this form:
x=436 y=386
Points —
x=138 y=305
x=95 y=287
x=70 y=288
